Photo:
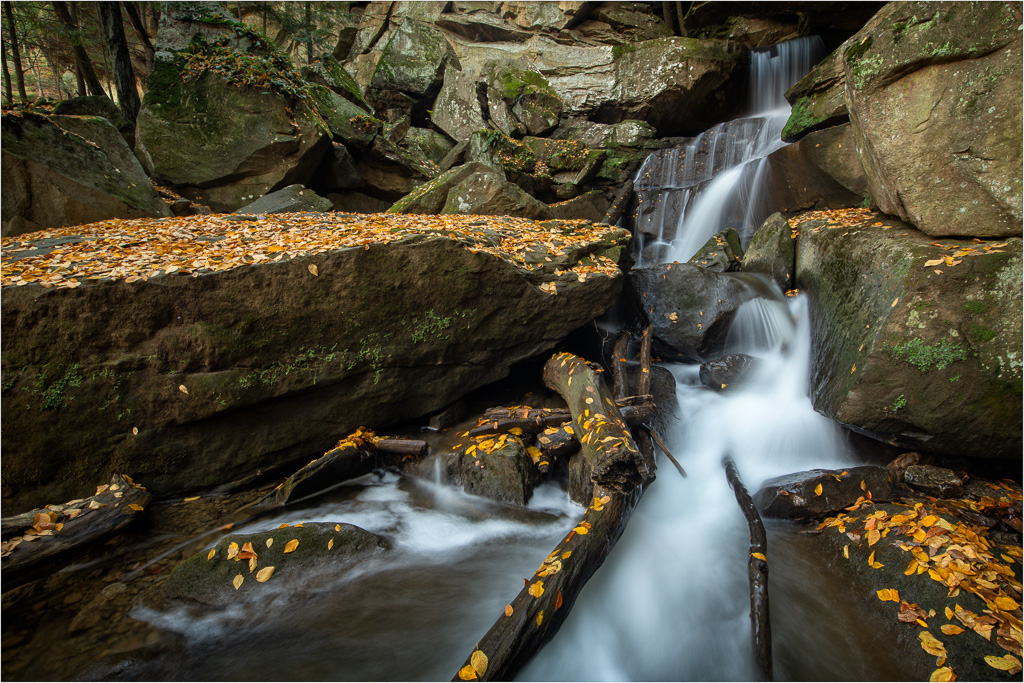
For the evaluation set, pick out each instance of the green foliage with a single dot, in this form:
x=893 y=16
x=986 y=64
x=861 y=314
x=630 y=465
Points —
x=52 y=393
x=925 y=357
x=981 y=333
x=898 y=402
x=262 y=66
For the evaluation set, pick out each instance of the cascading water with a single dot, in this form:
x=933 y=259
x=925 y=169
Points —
x=688 y=193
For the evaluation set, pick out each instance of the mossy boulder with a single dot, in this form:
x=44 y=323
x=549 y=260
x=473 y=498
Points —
x=209 y=576
x=93 y=105
x=505 y=474
x=772 y=251
x=278 y=362
x=920 y=339
x=287 y=200
x=67 y=170
x=430 y=197
x=414 y=60
x=347 y=122
x=487 y=193
x=328 y=72
x=818 y=99
x=722 y=253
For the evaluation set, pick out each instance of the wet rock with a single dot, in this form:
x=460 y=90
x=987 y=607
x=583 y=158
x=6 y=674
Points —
x=804 y=175
x=345 y=461
x=897 y=469
x=795 y=496
x=691 y=308
x=772 y=252
x=591 y=206
x=99 y=609
x=916 y=350
x=818 y=99
x=413 y=60
x=346 y=122
x=287 y=200
x=430 y=198
x=390 y=171
x=427 y=144
x=506 y=474
x=934 y=481
x=208 y=578
x=328 y=72
x=68 y=170
x=727 y=371
x=486 y=193
x=721 y=254
x=92 y=105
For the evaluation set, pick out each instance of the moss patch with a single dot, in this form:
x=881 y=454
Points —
x=926 y=358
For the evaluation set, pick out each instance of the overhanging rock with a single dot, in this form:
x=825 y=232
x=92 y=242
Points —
x=288 y=332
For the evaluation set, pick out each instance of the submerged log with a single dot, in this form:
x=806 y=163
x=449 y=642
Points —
x=611 y=456
x=620 y=387
x=536 y=614
x=645 y=360
x=39 y=540
x=757 y=573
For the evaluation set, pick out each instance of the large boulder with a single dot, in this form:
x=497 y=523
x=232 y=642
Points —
x=691 y=308
x=414 y=60
x=336 y=324
x=772 y=251
x=933 y=91
x=94 y=105
x=67 y=170
x=227 y=121
x=487 y=193
x=286 y=200
x=920 y=339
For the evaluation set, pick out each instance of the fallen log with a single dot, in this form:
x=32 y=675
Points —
x=635 y=410
x=537 y=612
x=757 y=573
x=402 y=446
x=610 y=456
x=664 y=449
x=41 y=539
x=618 y=206
x=620 y=387
x=645 y=361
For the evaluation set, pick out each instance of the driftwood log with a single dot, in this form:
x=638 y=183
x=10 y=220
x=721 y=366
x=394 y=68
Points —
x=757 y=573
x=635 y=410
x=535 y=615
x=645 y=360
x=618 y=206
x=620 y=387
x=39 y=540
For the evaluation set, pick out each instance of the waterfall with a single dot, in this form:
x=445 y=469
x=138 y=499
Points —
x=715 y=181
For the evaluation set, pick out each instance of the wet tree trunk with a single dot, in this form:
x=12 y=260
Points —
x=82 y=62
x=135 y=19
x=757 y=574
x=8 y=90
x=618 y=207
x=124 y=73
x=19 y=72
x=620 y=387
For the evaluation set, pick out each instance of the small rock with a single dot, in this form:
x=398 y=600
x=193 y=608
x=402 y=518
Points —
x=795 y=496
x=935 y=481
x=726 y=371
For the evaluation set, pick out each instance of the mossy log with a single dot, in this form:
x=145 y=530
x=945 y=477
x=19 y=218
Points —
x=610 y=455
x=535 y=615
x=757 y=573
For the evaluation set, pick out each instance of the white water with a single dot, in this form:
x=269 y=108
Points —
x=671 y=603
x=717 y=180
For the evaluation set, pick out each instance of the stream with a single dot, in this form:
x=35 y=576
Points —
x=671 y=602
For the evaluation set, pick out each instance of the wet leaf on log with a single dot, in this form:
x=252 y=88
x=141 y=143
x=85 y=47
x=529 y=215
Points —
x=537 y=589
x=264 y=574
x=1007 y=663
x=508 y=610
x=943 y=674
x=237 y=581
x=468 y=673
x=478 y=660
x=291 y=545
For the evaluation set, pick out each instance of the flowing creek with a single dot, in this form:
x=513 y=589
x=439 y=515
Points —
x=671 y=602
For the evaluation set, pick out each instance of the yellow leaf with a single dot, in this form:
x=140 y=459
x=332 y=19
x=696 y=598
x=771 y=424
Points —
x=537 y=589
x=932 y=262
x=1005 y=663
x=931 y=644
x=943 y=674
x=182 y=388
x=516 y=430
x=817 y=489
x=252 y=563
x=136 y=507
x=566 y=554
x=540 y=617
x=508 y=610
x=313 y=269
x=291 y=545
x=872 y=563
x=911 y=568
x=951 y=629
x=479 y=662
x=582 y=530
x=232 y=550
x=873 y=536
x=270 y=542
x=759 y=556
x=888 y=594
x=949 y=613
x=846 y=551
x=209 y=556
x=135 y=431
x=237 y=581
x=894 y=302
x=337 y=527
x=1005 y=603
x=468 y=673
x=264 y=574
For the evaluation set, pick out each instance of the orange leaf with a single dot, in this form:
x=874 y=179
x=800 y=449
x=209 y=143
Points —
x=508 y=610
x=291 y=545
x=558 y=600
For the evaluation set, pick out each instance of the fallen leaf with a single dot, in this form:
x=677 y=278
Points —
x=540 y=617
x=135 y=431
x=270 y=542
x=1005 y=663
x=468 y=673
x=759 y=556
x=237 y=581
x=330 y=544
x=872 y=563
x=874 y=535
x=537 y=589
x=264 y=574
x=508 y=610
x=478 y=660
x=291 y=545
x=888 y=594
x=931 y=644
x=932 y=262
x=951 y=629
x=209 y=556
x=191 y=498
x=313 y=269
x=182 y=388
x=943 y=674
x=232 y=550
x=846 y=551
x=558 y=600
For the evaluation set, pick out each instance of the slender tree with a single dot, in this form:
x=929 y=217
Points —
x=19 y=73
x=135 y=19
x=8 y=90
x=82 y=61
x=124 y=73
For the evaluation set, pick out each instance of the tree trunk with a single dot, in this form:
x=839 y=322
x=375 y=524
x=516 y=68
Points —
x=645 y=361
x=757 y=574
x=535 y=615
x=140 y=30
x=19 y=73
x=106 y=56
x=610 y=457
x=309 y=33
x=635 y=410
x=681 y=15
x=8 y=89
x=82 y=62
x=124 y=73
x=620 y=387
x=56 y=76
x=666 y=14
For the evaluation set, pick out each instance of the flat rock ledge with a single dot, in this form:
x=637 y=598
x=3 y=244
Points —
x=189 y=352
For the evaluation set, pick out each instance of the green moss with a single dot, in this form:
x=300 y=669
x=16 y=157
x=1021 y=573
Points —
x=926 y=358
x=801 y=118
x=623 y=49
x=975 y=306
x=855 y=52
x=898 y=402
x=52 y=393
x=981 y=333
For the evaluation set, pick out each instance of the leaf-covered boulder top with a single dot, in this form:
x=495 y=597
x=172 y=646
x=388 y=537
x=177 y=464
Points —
x=140 y=249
